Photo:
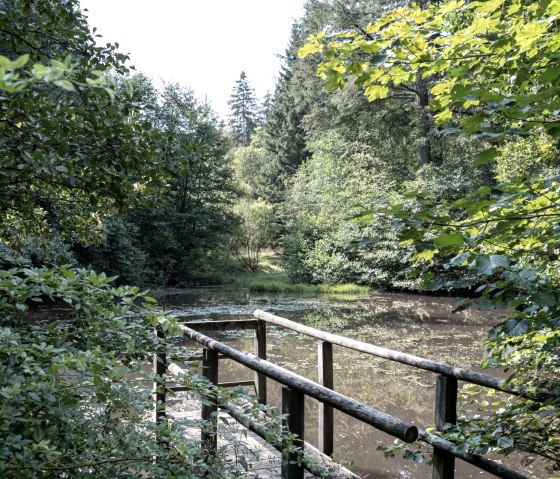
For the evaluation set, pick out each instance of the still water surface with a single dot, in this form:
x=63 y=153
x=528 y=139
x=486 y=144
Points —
x=420 y=325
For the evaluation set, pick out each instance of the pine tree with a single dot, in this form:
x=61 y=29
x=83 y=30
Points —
x=244 y=110
x=265 y=107
x=284 y=135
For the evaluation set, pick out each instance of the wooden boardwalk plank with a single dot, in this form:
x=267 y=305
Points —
x=238 y=443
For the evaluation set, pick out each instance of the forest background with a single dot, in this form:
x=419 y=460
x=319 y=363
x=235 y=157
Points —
x=443 y=176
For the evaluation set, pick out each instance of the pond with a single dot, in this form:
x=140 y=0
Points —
x=416 y=324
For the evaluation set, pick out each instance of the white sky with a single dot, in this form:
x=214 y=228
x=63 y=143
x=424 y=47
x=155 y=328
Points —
x=202 y=44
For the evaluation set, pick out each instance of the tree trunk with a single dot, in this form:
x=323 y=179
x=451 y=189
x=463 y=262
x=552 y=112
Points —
x=424 y=120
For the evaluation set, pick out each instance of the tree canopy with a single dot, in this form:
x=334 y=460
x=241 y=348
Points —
x=76 y=146
x=491 y=68
x=499 y=55
x=430 y=162
x=71 y=147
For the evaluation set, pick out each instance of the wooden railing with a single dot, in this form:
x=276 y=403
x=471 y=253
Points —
x=296 y=387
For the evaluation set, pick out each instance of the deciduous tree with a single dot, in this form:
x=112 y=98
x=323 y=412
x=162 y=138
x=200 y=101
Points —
x=493 y=69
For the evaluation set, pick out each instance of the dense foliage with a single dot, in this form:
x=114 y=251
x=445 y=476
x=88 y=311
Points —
x=450 y=159
x=79 y=155
x=503 y=237
x=321 y=153
x=254 y=233
x=69 y=150
x=64 y=382
x=185 y=236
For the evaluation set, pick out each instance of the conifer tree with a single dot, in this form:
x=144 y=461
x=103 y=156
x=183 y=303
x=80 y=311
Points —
x=264 y=107
x=244 y=110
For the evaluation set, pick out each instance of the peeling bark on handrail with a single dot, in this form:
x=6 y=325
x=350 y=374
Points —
x=373 y=417
x=403 y=358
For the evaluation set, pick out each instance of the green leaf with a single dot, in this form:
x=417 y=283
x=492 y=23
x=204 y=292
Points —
x=464 y=305
x=21 y=307
x=427 y=254
x=310 y=48
x=487 y=156
x=411 y=234
x=544 y=298
x=5 y=62
x=516 y=326
x=459 y=259
x=450 y=131
x=243 y=463
x=528 y=274
x=449 y=239
x=67 y=85
x=487 y=264
x=377 y=92
x=473 y=123
x=443 y=116
x=550 y=74
x=505 y=442
x=482 y=449
x=20 y=62
x=334 y=82
x=378 y=59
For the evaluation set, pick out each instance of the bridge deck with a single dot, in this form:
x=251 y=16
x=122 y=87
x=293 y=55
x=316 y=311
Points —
x=241 y=447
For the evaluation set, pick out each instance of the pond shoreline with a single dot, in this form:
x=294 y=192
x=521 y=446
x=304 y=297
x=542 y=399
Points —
x=319 y=289
x=419 y=324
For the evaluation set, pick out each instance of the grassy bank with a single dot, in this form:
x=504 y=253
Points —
x=278 y=282
x=271 y=278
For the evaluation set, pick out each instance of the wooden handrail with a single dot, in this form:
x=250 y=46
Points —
x=225 y=325
x=373 y=417
x=446 y=450
x=403 y=358
x=240 y=416
x=481 y=462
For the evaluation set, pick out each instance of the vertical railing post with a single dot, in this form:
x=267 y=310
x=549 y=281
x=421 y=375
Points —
x=293 y=406
x=260 y=352
x=158 y=388
x=325 y=413
x=209 y=433
x=446 y=412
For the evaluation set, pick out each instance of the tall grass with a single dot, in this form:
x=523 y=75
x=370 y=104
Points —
x=272 y=279
x=279 y=283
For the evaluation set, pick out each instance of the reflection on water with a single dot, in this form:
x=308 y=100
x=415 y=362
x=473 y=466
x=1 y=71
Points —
x=420 y=325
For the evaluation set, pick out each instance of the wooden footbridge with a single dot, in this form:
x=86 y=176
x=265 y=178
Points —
x=297 y=387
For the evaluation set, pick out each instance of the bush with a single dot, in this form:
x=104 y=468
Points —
x=64 y=382
x=325 y=190
x=256 y=232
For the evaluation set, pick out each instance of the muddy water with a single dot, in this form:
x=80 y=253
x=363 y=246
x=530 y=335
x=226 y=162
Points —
x=419 y=325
